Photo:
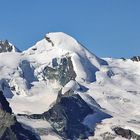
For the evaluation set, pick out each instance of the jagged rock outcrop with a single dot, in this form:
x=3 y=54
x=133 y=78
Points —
x=63 y=117
x=49 y=40
x=126 y=133
x=135 y=58
x=62 y=71
x=5 y=46
x=4 y=105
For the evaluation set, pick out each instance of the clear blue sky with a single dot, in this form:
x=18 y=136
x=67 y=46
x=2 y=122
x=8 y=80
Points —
x=106 y=27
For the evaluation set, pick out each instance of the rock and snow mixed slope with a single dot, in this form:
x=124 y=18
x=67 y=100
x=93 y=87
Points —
x=42 y=81
x=10 y=128
x=6 y=46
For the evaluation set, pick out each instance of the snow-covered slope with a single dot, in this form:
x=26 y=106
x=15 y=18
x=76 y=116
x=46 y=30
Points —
x=26 y=74
x=31 y=81
x=59 y=45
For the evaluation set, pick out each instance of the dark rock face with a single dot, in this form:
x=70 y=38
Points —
x=67 y=114
x=108 y=136
x=136 y=58
x=49 y=40
x=7 y=90
x=4 y=104
x=126 y=133
x=62 y=72
x=10 y=129
x=5 y=46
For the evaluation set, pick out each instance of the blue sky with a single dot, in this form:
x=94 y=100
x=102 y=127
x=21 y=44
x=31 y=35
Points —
x=108 y=28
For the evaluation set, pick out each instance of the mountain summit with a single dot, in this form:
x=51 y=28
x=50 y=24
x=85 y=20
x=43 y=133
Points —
x=57 y=89
x=59 y=45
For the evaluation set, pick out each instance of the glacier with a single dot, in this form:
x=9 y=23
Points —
x=58 y=68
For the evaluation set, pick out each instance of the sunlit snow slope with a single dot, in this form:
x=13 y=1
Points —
x=31 y=80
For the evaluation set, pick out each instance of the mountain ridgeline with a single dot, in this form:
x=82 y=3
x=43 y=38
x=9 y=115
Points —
x=57 y=89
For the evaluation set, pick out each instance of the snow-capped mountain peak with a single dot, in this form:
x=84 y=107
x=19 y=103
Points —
x=64 y=41
x=58 y=45
x=59 y=84
x=6 y=46
x=59 y=40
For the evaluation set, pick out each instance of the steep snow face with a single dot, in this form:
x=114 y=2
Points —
x=59 y=45
x=117 y=89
